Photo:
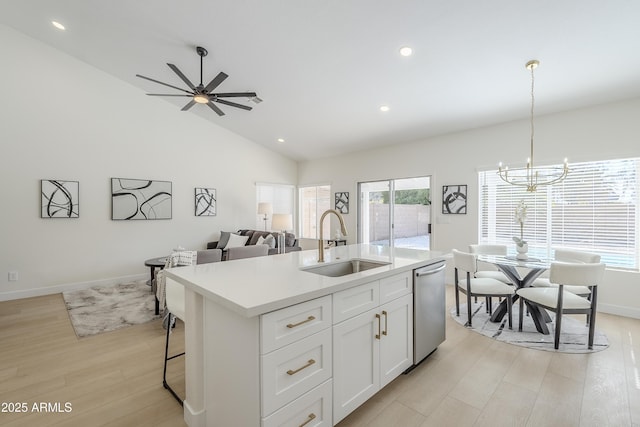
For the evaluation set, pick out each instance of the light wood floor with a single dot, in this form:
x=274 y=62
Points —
x=114 y=379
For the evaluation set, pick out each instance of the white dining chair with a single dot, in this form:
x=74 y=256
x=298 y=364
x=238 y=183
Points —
x=486 y=270
x=175 y=303
x=570 y=256
x=560 y=301
x=473 y=286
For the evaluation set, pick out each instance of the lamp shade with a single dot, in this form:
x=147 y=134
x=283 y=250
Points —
x=282 y=222
x=265 y=208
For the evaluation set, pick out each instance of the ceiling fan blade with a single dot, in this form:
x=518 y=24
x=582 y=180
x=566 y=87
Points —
x=215 y=82
x=165 y=84
x=166 y=94
x=216 y=109
x=189 y=105
x=182 y=76
x=235 y=94
x=233 y=104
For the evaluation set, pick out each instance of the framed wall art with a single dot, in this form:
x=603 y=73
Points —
x=59 y=199
x=143 y=199
x=454 y=199
x=342 y=202
x=205 y=201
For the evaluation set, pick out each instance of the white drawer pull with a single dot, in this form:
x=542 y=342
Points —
x=293 y=325
x=310 y=418
x=309 y=363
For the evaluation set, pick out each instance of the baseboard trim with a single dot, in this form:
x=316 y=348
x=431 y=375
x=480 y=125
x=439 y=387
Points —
x=193 y=418
x=619 y=310
x=56 y=289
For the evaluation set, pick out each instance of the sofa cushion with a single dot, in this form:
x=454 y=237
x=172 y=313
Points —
x=289 y=239
x=224 y=238
x=270 y=241
x=236 y=241
x=255 y=236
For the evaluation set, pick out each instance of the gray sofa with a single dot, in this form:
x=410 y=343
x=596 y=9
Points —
x=291 y=243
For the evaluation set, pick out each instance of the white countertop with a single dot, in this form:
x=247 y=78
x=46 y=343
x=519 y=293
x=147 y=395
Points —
x=255 y=286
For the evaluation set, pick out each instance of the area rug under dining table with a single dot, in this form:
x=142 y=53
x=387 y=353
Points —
x=573 y=336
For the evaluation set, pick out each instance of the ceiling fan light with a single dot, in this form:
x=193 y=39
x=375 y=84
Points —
x=201 y=98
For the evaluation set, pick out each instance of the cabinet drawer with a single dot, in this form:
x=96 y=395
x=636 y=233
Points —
x=353 y=301
x=295 y=369
x=282 y=327
x=312 y=409
x=396 y=286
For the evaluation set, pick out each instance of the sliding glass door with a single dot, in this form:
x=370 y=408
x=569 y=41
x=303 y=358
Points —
x=395 y=212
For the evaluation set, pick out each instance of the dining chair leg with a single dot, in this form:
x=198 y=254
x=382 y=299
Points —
x=510 y=311
x=556 y=341
x=592 y=317
x=520 y=314
x=468 y=299
x=457 y=293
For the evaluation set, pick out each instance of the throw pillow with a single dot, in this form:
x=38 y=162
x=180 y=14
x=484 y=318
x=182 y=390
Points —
x=224 y=239
x=270 y=241
x=236 y=241
x=260 y=241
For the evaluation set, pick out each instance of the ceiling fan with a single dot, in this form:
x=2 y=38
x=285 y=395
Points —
x=202 y=94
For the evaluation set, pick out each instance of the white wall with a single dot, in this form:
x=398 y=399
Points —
x=601 y=132
x=63 y=119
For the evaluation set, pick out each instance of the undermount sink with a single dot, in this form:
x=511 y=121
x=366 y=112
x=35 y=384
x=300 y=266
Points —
x=344 y=268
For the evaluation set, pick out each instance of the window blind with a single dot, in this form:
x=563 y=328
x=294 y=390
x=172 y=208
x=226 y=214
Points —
x=593 y=209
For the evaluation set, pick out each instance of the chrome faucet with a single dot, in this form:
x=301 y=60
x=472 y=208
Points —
x=321 y=240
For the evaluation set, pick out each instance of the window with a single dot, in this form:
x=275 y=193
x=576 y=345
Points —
x=593 y=209
x=281 y=197
x=313 y=202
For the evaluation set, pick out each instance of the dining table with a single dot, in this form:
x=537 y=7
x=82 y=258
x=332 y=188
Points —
x=522 y=273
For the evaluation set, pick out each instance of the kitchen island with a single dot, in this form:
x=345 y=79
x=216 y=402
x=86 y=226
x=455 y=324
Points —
x=268 y=341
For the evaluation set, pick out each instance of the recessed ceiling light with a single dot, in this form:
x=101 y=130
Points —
x=406 y=51
x=280 y=140
x=384 y=108
x=57 y=25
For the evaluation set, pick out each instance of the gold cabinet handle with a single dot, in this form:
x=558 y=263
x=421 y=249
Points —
x=309 y=363
x=293 y=325
x=384 y=313
x=310 y=418
x=378 y=334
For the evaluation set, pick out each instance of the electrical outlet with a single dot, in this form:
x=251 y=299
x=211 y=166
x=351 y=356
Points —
x=13 y=276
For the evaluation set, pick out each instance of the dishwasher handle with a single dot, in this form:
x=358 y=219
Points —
x=425 y=271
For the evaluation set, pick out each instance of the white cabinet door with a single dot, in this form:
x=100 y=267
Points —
x=396 y=342
x=356 y=362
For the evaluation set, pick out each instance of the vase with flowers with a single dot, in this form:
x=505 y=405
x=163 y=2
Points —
x=521 y=217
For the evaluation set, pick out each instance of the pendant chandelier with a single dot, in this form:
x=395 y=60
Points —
x=530 y=176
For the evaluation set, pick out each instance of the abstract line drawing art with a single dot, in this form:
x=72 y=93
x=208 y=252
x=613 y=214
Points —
x=342 y=202
x=60 y=199
x=454 y=199
x=140 y=199
x=205 y=201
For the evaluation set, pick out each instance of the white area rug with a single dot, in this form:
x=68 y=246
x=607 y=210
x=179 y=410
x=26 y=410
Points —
x=573 y=338
x=103 y=309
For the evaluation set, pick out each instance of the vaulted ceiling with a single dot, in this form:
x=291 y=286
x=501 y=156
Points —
x=324 y=68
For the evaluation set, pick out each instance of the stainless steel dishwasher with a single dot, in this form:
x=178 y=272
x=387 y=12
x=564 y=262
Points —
x=428 y=310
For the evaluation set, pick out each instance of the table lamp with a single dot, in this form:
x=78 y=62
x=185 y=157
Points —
x=265 y=208
x=282 y=222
